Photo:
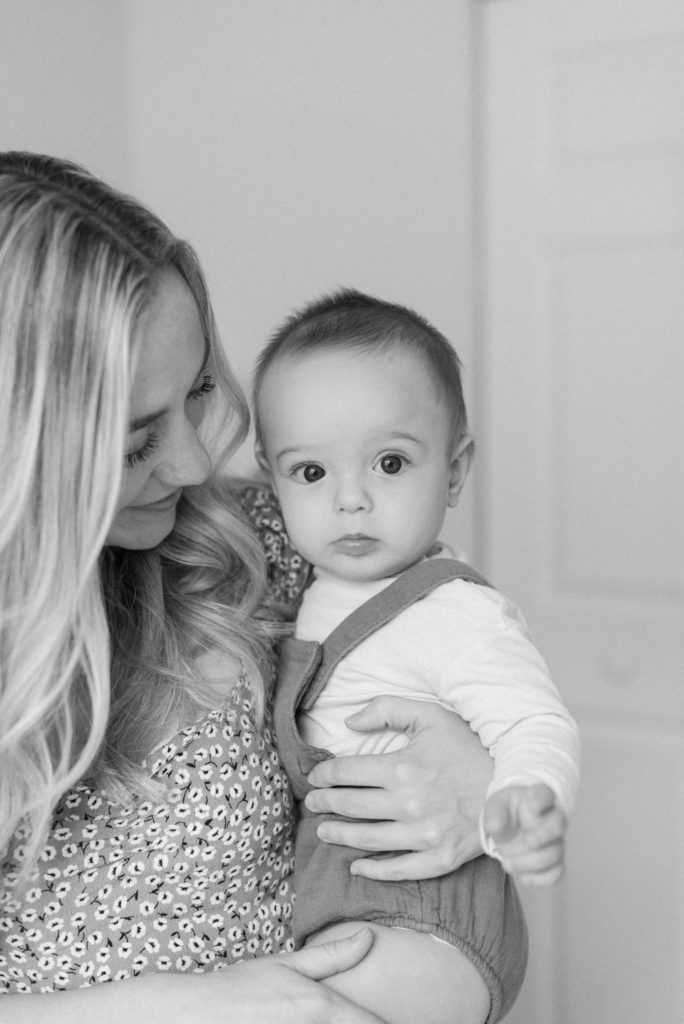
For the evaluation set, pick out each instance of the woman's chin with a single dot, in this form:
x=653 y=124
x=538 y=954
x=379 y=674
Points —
x=140 y=529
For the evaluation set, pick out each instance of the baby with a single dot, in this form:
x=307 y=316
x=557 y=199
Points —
x=362 y=427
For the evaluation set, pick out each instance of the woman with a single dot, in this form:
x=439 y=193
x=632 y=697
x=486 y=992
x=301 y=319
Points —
x=145 y=822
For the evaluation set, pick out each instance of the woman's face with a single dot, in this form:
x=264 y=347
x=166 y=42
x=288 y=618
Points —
x=164 y=453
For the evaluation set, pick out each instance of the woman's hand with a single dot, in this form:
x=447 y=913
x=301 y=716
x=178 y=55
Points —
x=425 y=799
x=281 y=989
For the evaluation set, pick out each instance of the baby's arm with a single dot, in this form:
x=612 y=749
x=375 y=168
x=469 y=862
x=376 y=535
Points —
x=502 y=688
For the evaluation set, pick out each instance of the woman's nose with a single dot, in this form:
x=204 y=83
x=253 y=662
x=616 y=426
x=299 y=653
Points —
x=186 y=460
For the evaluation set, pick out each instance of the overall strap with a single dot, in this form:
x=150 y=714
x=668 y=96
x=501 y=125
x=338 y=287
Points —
x=417 y=582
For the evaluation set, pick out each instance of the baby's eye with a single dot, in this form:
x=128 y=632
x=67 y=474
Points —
x=308 y=473
x=391 y=464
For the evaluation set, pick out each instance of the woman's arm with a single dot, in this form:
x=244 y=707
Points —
x=426 y=798
x=283 y=989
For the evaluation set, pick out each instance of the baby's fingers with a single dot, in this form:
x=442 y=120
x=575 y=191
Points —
x=547 y=829
x=537 y=867
x=537 y=800
x=499 y=819
x=541 y=878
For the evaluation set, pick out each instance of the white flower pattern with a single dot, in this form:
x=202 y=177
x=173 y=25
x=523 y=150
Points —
x=192 y=882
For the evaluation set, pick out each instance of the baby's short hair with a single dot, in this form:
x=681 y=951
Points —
x=349 y=319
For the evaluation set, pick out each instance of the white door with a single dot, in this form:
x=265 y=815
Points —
x=581 y=422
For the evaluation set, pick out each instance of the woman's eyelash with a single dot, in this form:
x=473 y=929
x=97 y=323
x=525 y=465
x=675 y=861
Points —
x=208 y=384
x=133 y=458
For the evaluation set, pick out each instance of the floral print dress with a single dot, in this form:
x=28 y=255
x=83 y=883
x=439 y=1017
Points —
x=195 y=880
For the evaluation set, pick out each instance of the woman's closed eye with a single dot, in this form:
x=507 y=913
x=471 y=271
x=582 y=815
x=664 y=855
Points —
x=143 y=452
x=152 y=440
x=208 y=384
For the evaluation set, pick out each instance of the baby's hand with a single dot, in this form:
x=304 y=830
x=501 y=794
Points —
x=528 y=830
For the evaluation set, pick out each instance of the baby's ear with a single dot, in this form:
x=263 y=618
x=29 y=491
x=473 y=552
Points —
x=461 y=457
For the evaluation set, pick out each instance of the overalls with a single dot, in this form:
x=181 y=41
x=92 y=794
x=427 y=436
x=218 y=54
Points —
x=475 y=908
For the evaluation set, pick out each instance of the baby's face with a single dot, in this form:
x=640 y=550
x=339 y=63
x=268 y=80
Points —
x=361 y=458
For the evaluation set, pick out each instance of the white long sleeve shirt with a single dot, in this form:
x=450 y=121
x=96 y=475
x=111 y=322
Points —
x=465 y=646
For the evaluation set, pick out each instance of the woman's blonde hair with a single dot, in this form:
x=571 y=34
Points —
x=98 y=645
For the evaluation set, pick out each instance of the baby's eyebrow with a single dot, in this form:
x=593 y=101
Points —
x=400 y=435
x=287 y=451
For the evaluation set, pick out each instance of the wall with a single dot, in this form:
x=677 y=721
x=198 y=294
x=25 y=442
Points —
x=62 y=77
x=299 y=145
x=306 y=145
x=583 y=334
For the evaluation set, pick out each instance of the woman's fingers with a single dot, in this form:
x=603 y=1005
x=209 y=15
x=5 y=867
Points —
x=424 y=798
x=380 y=770
x=421 y=855
x=388 y=786
x=376 y=837
x=385 y=713
x=403 y=867
x=320 y=962
x=368 y=770
x=352 y=803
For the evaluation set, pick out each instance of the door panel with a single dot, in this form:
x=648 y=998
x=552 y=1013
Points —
x=581 y=473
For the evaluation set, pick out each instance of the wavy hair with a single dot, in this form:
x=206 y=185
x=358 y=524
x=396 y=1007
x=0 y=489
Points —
x=98 y=644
